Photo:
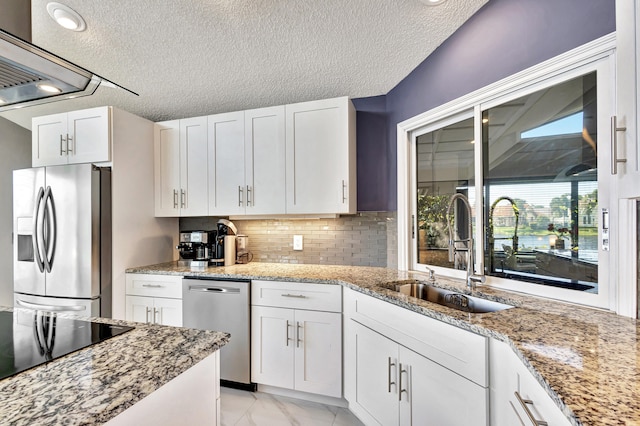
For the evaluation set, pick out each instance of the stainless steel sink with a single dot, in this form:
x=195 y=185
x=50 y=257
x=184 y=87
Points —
x=451 y=299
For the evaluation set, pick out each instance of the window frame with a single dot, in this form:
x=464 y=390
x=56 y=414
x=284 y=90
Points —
x=598 y=56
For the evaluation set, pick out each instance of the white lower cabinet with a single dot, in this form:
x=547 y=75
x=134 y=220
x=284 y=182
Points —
x=402 y=368
x=154 y=310
x=397 y=386
x=298 y=349
x=516 y=396
x=154 y=299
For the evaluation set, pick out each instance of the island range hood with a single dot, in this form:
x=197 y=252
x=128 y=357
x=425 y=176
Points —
x=30 y=75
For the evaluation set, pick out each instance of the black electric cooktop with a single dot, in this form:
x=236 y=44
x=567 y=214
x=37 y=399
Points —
x=28 y=339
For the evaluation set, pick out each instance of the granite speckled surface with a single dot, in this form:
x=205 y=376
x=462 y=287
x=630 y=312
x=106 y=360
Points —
x=93 y=385
x=587 y=359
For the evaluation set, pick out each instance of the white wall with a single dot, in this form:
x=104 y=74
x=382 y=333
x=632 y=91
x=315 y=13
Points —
x=15 y=153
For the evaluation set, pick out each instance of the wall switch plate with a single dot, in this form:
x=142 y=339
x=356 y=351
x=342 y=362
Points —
x=297 y=242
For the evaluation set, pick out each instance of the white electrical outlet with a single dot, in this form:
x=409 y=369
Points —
x=297 y=242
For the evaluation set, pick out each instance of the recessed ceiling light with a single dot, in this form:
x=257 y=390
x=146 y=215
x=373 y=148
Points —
x=49 y=88
x=66 y=17
x=432 y=2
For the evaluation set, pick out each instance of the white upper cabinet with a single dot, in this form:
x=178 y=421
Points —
x=265 y=161
x=72 y=138
x=321 y=157
x=180 y=149
x=227 y=192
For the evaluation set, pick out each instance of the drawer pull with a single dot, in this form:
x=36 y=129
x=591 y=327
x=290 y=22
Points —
x=297 y=296
x=152 y=285
x=524 y=403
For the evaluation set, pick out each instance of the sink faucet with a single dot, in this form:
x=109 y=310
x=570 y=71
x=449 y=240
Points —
x=472 y=278
x=432 y=275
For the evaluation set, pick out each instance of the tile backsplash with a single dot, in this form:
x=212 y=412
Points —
x=364 y=239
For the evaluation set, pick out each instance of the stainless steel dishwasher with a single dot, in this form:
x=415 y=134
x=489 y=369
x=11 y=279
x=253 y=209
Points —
x=221 y=305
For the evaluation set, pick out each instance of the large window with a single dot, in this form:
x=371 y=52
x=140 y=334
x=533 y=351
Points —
x=533 y=162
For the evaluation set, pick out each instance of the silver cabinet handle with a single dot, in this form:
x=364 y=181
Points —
x=69 y=138
x=288 y=325
x=210 y=289
x=524 y=403
x=62 y=151
x=344 y=191
x=614 y=145
x=297 y=296
x=389 y=382
x=240 y=190
x=183 y=198
x=248 y=195
x=155 y=313
x=35 y=233
x=51 y=308
x=298 y=339
x=152 y=285
x=400 y=381
x=146 y=317
x=175 y=199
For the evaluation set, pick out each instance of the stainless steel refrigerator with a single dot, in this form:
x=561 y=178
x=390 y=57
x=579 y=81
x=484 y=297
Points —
x=62 y=239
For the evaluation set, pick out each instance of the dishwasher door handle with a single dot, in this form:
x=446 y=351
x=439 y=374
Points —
x=209 y=289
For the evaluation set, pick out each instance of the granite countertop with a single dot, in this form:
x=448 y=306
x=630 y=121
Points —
x=93 y=385
x=587 y=359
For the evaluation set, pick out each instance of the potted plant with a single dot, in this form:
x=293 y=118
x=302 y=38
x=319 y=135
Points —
x=560 y=233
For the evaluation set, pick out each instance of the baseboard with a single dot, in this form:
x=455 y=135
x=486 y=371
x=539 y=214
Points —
x=312 y=397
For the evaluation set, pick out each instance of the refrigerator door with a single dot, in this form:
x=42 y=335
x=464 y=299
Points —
x=82 y=307
x=72 y=231
x=28 y=268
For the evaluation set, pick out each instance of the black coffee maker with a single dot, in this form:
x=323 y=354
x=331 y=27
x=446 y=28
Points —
x=196 y=246
x=225 y=244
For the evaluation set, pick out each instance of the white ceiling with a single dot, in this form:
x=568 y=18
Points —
x=195 y=57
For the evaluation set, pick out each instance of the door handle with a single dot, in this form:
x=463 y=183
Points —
x=35 y=232
x=62 y=151
x=524 y=403
x=288 y=325
x=298 y=339
x=69 y=138
x=209 y=289
x=50 y=230
x=240 y=190
x=146 y=316
x=389 y=382
x=175 y=199
x=249 y=190
x=344 y=192
x=183 y=198
x=614 y=145
x=400 y=385
x=50 y=308
x=155 y=313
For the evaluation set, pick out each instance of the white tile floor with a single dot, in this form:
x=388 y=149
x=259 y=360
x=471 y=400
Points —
x=240 y=408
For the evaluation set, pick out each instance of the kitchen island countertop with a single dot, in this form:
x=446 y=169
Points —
x=95 y=384
x=586 y=359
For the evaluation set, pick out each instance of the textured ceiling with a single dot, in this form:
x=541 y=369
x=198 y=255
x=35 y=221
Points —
x=195 y=57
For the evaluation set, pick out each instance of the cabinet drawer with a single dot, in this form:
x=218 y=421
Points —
x=461 y=351
x=154 y=285
x=316 y=297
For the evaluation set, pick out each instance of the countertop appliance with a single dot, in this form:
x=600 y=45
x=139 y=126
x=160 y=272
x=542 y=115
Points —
x=62 y=239
x=223 y=306
x=196 y=247
x=225 y=250
x=32 y=338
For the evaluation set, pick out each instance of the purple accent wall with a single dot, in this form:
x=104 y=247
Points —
x=372 y=156
x=502 y=38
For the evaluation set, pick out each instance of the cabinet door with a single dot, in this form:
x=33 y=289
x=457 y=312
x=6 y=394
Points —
x=48 y=140
x=320 y=157
x=227 y=192
x=272 y=346
x=139 y=309
x=89 y=133
x=166 y=150
x=167 y=312
x=265 y=160
x=376 y=386
x=318 y=353
x=434 y=395
x=193 y=167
